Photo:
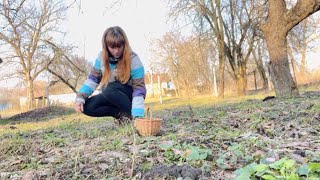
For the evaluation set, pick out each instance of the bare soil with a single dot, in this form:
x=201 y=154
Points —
x=41 y=114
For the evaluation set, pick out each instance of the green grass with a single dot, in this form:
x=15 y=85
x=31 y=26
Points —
x=199 y=101
x=207 y=132
x=52 y=140
x=4 y=121
x=32 y=126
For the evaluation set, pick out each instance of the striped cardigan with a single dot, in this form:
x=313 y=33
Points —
x=136 y=81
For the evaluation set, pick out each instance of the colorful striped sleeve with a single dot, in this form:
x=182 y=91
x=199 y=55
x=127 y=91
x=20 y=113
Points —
x=138 y=85
x=91 y=82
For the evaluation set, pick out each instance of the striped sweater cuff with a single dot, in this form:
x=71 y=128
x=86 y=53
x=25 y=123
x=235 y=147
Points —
x=80 y=100
x=137 y=112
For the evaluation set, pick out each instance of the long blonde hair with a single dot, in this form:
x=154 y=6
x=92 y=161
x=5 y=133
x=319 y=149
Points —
x=116 y=37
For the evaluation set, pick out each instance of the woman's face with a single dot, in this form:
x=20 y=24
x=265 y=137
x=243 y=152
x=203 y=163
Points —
x=116 y=52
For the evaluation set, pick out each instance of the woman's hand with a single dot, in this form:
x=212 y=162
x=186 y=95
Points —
x=78 y=106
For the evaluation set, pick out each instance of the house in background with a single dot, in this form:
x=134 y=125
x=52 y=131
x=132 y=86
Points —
x=63 y=99
x=56 y=99
x=5 y=101
x=59 y=94
x=159 y=85
x=156 y=84
x=4 y=105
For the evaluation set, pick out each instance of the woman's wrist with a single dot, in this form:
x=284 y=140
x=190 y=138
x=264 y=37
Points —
x=81 y=100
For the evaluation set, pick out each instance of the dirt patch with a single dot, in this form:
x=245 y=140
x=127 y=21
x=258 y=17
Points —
x=42 y=113
x=174 y=171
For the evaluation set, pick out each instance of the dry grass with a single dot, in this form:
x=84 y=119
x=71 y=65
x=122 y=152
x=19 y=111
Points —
x=76 y=146
x=9 y=113
x=152 y=103
x=198 y=101
x=32 y=126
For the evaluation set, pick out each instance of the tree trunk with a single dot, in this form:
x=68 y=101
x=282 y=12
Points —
x=279 y=65
x=280 y=21
x=303 y=67
x=263 y=76
x=46 y=96
x=176 y=83
x=293 y=64
x=186 y=86
x=160 y=88
x=260 y=68
x=30 y=94
x=221 y=77
x=294 y=74
x=151 y=83
x=241 y=81
x=176 y=90
x=214 y=79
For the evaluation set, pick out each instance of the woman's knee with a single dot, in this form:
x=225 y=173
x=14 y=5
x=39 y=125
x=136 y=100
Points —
x=91 y=105
x=111 y=88
x=107 y=92
x=88 y=109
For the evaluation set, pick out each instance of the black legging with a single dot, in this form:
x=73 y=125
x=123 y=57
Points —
x=113 y=99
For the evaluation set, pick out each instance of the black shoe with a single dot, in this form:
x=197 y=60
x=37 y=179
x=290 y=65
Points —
x=122 y=118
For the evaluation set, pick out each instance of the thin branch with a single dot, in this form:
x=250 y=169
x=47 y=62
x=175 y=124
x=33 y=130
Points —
x=63 y=53
x=62 y=79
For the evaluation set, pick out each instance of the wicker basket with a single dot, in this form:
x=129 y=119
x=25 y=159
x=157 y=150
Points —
x=148 y=126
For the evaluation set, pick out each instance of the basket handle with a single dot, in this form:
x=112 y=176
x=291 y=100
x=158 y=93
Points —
x=149 y=113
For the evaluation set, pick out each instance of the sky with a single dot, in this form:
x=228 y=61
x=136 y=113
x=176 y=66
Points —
x=142 y=20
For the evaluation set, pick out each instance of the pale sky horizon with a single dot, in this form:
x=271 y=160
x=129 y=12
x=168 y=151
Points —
x=142 y=20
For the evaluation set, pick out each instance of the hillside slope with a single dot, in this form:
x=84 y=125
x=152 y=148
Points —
x=199 y=142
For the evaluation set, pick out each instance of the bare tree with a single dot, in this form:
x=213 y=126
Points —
x=301 y=39
x=194 y=66
x=276 y=28
x=69 y=73
x=240 y=29
x=186 y=60
x=165 y=52
x=258 y=56
x=211 y=11
x=68 y=68
x=233 y=25
x=26 y=25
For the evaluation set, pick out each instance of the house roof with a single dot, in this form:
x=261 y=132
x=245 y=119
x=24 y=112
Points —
x=163 y=78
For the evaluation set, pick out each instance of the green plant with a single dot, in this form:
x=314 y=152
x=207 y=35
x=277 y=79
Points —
x=50 y=139
x=282 y=169
x=117 y=144
x=234 y=155
x=15 y=146
x=146 y=166
x=93 y=133
x=32 y=163
x=175 y=152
